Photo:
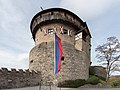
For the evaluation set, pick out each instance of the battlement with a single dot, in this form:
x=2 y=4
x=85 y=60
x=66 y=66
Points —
x=20 y=71
x=53 y=15
x=57 y=15
x=18 y=78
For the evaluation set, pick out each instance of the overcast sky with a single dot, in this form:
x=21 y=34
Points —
x=102 y=17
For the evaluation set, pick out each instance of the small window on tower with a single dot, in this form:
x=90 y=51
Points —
x=65 y=31
x=62 y=58
x=78 y=36
x=31 y=61
x=51 y=13
x=50 y=31
x=84 y=36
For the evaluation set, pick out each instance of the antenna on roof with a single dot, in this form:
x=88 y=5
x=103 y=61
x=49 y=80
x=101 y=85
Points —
x=41 y=8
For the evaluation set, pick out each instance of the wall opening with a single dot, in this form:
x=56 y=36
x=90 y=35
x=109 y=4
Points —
x=65 y=31
x=31 y=61
x=50 y=31
x=78 y=36
x=62 y=59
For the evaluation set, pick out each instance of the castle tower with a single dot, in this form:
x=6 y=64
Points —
x=75 y=38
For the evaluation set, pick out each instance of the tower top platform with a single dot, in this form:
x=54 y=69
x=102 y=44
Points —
x=57 y=15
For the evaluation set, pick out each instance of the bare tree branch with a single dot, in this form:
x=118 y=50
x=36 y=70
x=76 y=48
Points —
x=109 y=54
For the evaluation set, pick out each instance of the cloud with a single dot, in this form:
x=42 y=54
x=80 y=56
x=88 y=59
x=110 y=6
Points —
x=15 y=41
x=9 y=14
x=14 y=27
x=14 y=60
x=88 y=9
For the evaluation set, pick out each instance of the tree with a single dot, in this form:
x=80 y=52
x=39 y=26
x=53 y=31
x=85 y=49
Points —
x=108 y=55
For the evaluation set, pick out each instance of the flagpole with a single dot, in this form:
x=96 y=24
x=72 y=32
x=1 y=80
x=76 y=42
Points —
x=54 y=54
x=54 y=65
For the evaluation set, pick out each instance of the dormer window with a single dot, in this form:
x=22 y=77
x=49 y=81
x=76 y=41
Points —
x=78 y=36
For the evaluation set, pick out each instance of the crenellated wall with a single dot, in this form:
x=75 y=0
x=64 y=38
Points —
x=16 y=79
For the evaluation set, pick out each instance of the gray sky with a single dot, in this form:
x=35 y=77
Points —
x=102 y=17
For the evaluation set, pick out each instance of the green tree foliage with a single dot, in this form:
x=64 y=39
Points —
x=116 y=83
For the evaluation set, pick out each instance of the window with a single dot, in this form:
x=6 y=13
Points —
x=50 y=31
x=84 y=36
x=64 y=14
x=51 y=13
x=62 y=58
x=31 y=61
x=65 y=31
x=78 y=36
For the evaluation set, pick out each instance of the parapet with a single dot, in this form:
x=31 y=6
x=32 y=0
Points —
x=5 y=70
x=54 y=15
x=18 y=78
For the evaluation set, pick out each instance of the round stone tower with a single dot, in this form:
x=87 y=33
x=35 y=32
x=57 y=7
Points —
x=75 y=38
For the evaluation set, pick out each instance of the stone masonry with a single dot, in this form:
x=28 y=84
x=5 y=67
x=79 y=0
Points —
x=17 y=79
x=100 y=71
x=76 y=42
x=75 y=38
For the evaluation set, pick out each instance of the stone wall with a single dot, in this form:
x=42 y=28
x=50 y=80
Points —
x=16 y=79
x=100 y=71
x=75 y=64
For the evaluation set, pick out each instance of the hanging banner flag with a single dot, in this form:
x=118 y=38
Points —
x=58 y=53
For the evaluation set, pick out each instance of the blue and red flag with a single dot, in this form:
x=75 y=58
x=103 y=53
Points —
x=58 y=53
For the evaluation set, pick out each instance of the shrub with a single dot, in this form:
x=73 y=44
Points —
x=100 y=77
x=116 y=83
x=72 y=83
x=102 y=81
x=93 y=80
x=92 y=73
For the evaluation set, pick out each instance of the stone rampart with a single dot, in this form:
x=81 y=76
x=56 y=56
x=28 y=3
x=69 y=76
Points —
x=100 y=71
x=16 y=79
x=74 y=65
